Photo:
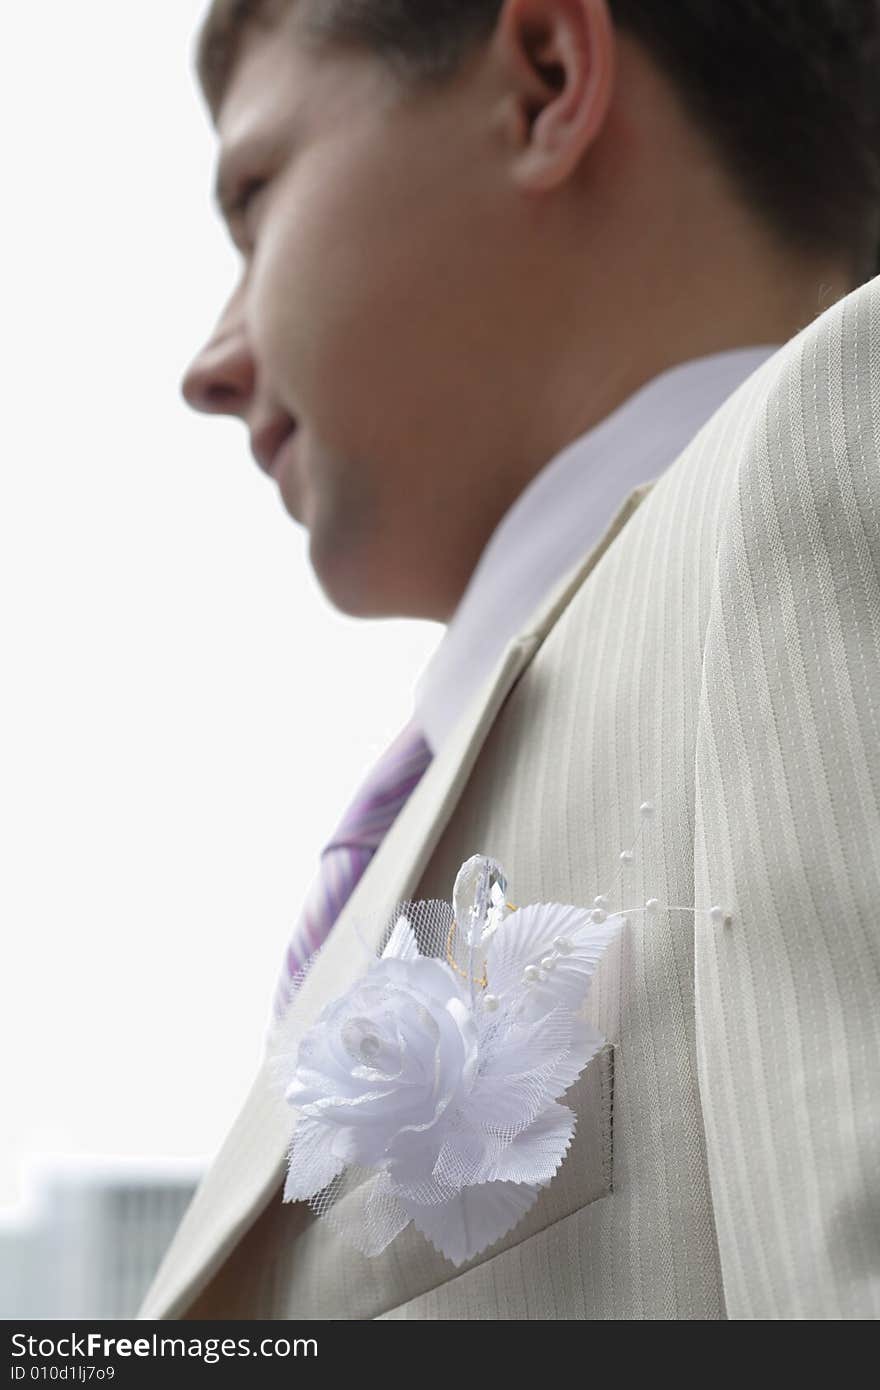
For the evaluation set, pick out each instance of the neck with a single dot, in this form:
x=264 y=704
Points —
x=664 y=311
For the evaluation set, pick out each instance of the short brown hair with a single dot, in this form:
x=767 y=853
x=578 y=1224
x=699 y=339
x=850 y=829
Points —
x=788 y=93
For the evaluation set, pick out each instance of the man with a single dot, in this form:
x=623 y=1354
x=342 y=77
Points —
x=553 y=325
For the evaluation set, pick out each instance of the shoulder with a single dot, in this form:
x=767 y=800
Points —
x=815 y=436
x=804 y=500
x=789 y=466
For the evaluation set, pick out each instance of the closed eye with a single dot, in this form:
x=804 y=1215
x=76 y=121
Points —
x=243 y=199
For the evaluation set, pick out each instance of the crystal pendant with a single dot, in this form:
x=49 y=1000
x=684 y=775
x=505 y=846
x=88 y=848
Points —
x=479 y=899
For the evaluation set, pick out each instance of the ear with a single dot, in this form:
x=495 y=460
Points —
x=558 y=61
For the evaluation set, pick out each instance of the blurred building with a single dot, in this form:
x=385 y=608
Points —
x=88 y=1235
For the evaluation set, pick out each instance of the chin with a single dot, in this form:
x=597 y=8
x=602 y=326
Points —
x=362 y=591
x=344 y=583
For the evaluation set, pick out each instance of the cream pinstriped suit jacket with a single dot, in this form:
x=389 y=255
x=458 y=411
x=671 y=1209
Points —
x=718 y=653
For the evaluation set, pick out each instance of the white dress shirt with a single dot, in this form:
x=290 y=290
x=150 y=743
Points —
x=558 y=517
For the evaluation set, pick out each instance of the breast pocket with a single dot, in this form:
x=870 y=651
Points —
x=307 y=1270
x=411 y=1266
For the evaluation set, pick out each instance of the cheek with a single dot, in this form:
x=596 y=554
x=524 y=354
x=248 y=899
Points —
x=354 y=298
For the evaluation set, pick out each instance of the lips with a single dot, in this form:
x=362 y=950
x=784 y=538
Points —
x=267 y=440
x=282 y=456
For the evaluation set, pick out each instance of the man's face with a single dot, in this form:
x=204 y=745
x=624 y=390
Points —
x=373 y=302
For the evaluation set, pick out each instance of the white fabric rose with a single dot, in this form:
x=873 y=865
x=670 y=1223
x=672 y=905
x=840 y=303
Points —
x=382 y=1065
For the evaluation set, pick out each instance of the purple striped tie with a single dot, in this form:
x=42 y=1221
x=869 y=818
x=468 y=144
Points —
x=347 y=854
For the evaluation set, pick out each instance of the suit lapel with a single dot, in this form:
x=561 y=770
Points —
x=250 y=1165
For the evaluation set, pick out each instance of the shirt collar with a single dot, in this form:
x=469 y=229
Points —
x=559 y=515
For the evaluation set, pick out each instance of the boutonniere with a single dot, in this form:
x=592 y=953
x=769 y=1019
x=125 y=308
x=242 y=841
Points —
x=431 y=1091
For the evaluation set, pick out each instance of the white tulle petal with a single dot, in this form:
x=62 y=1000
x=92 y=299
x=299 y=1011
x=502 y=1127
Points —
x=525 y=1068
x=473 y=1219
x=367 y=1215
x=315 y=1158
x=536 y=1153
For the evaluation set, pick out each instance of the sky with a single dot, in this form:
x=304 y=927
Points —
x=183 y=717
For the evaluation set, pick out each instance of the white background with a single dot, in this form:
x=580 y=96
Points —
x=184 y=716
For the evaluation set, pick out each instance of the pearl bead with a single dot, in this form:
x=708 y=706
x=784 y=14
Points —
x=647 y=808
x=652 y=904
x=626 y=856
x=490 y=1002
x=598 y=914
x=531 y=973
x=716 y=913
x=548 y=963
x=600 y=901
x=563 y=945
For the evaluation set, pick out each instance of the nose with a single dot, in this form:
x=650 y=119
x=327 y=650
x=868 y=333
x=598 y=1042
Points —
x=220 y=378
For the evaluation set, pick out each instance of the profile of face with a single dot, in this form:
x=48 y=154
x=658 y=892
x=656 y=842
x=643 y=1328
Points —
x=385 y=311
